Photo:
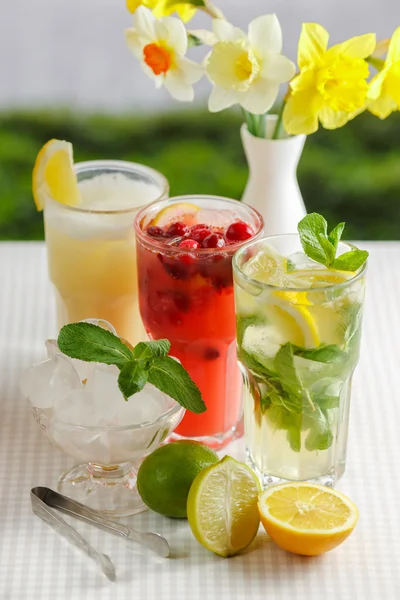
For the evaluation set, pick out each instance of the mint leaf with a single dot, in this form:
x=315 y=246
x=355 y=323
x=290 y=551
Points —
x=132 y=378
x=319 y=436
x=284 y=365
x=170 y=377
x=91 y=343
x=313 y=232
x=327 y=402
x=321 y=247
x=335 y=236
x=153 y=348
x=350 y=261
x=294 y=437
x=324 y=354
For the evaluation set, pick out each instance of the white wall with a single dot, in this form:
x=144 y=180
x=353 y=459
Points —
x=72 y=52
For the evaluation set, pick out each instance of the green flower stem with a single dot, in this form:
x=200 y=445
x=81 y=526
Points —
x=279 y=129
x=255 y=124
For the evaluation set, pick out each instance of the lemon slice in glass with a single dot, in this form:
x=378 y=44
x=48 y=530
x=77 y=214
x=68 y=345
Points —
x=222 y=507
x=54 y=176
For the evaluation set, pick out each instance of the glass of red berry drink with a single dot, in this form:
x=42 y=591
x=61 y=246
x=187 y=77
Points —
x=185 y=247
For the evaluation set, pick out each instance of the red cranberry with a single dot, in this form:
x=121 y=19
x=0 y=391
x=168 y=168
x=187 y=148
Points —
x=239 y=232
x=177 y=230
x=214 y=240
x=199 y=233
x=189 y=244
x=155 y=231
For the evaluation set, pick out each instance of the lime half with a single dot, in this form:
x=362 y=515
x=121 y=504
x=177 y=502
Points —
x=222 y=507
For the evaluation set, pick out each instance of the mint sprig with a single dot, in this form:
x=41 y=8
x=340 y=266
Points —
x=147 y=362
x=322 y=247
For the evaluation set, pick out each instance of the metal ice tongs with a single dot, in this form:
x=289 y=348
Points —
x=43 y=499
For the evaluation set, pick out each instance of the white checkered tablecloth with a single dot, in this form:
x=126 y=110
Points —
x=36 y=564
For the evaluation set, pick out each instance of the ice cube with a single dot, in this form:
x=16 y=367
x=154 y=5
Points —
x=216 y=218
x=48 y=380
x=77 y=408
x=299 y=261
x=84 y=369
x=262 y=341
x=144 y=407
x=102 y=384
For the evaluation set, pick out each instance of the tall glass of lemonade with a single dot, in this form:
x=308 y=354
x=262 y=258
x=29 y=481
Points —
x=91 y=246
x=298 y=337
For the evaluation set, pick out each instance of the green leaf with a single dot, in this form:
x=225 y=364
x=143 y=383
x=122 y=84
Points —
x=284 y=365
x=324 y=354
x=91 y=343
x=327 y=402
x=335 y=236
x=351 y=261
x=319 y=436
x=171 y=378
x=294 y=437
x=353 y=322
x=154 y=348
x=312 y=229
x=132 y=378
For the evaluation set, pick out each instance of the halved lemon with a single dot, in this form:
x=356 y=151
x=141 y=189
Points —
x=222 y=507
x=54 y=176
x=181 y=211
x=306 y=518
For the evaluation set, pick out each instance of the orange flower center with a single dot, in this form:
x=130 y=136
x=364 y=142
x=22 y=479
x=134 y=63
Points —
x=157 y=58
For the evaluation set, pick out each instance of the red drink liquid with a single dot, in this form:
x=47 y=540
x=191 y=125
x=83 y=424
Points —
x=186 y=296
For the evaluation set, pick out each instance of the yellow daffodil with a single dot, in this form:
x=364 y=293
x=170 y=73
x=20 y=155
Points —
x=161 y=45
x=384 y=90
x=247 y=69
x=332 y=85
x=164 y=8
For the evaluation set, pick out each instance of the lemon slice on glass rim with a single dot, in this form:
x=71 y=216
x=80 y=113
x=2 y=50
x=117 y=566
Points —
x=54 y=176
x=180 y=211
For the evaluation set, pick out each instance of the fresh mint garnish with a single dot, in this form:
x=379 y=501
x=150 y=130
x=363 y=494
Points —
x=132 y=378
x=171 y=378
x=147 y=362
x=322 y=247
x=287 y=402
x=324 y=353
x=91 y=343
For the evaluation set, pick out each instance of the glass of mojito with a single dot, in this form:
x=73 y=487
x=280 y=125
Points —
x=91 y=247
x=298 y=339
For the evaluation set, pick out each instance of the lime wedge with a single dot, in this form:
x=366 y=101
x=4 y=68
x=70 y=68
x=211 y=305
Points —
x=222 y=507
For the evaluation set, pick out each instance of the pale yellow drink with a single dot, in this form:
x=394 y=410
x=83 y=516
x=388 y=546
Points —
x=91 y=248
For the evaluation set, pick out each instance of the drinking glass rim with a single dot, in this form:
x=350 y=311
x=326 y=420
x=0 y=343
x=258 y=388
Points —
x=123 y=165
x=134 y=426
x=268 y=286
x=195 y=251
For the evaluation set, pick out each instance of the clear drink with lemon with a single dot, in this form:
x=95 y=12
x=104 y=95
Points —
x=298 y=337
x=89 y=210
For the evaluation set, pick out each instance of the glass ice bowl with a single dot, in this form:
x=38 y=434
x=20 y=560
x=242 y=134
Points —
x=108 y=454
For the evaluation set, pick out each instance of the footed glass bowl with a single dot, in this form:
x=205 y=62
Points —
x=80 y=408
x=108 y=457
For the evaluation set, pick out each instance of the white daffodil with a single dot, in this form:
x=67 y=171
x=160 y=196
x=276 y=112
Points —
x=247 y=69
x=161 y=45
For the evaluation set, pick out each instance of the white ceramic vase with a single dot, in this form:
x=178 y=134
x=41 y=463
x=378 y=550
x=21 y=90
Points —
x=272 y=188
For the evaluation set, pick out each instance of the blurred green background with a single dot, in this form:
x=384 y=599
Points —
x=351 y=174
